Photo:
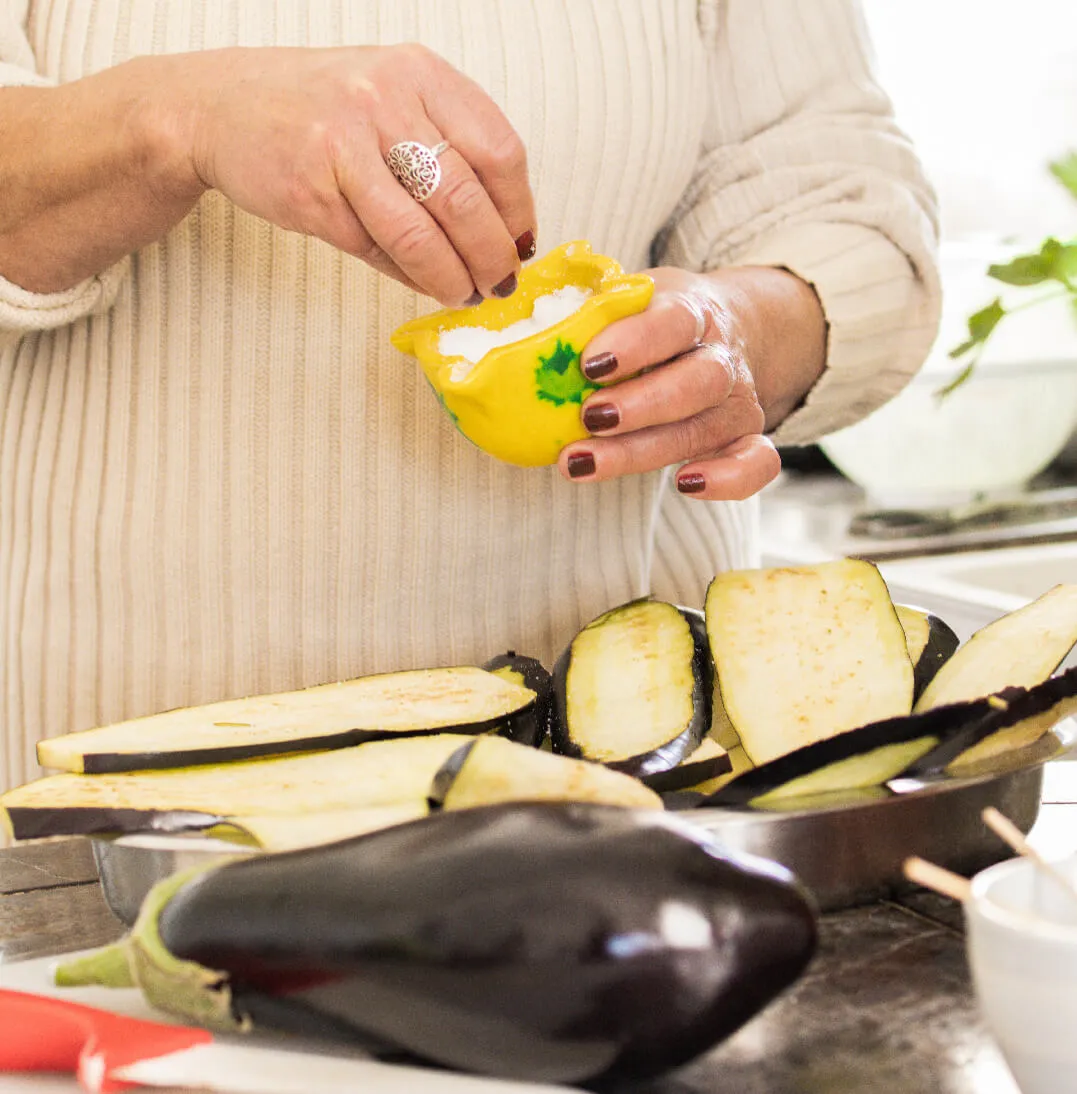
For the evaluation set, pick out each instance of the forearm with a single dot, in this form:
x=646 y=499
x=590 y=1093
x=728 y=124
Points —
x=89 y=171
x=778 y=325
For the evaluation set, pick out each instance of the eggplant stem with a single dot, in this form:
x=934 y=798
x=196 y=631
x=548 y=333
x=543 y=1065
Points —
x=107 y=967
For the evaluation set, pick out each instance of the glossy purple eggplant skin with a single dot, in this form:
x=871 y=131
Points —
x=533 y=674
x=554 y=942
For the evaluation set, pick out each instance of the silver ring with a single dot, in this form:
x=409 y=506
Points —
x=416 y=167
x=699 y=314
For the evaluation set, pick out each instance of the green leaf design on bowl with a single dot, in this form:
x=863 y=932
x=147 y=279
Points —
x=558 y=378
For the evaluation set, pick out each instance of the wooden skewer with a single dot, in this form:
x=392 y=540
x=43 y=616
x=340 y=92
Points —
x=1010 y=834
x=935 y=877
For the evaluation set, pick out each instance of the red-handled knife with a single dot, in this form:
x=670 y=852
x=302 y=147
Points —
x=110 y=1052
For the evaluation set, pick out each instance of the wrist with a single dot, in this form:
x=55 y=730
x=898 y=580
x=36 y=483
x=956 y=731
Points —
x=160 y=123
x=777 y=322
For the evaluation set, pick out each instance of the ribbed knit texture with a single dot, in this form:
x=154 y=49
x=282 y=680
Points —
x=216 y=476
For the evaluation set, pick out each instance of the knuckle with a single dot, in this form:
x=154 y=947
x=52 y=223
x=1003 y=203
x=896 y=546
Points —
x=463 y=198
x=507 y=156
x=693 y=437
x=413 y=242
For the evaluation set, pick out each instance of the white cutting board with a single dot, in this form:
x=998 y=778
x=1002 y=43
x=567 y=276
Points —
x=37 y=976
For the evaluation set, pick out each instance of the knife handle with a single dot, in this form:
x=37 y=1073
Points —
x=40 y=1033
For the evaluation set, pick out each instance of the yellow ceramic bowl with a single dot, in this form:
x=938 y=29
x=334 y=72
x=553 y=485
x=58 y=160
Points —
x=521 y=402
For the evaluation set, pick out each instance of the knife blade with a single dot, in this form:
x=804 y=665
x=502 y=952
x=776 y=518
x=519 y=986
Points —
x=111 y=1052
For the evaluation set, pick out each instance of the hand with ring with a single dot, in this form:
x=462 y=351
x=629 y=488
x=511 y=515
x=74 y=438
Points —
x=388 y=153
x=697 y=378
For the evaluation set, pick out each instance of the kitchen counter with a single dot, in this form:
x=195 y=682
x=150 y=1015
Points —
x=885 y=1008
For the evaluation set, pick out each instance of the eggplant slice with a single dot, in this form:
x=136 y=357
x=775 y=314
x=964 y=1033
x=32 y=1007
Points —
x=288 y=832
x=706 y=764
x=931 y=642
x=462 y=699
x=1021 y=649
x=373 y=774
x=634 y=688
x=914 y=745
x=528 y=672
x=805 y=653
x=490 y=770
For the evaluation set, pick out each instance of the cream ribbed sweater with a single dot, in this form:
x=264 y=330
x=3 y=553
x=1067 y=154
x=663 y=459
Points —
x=216 y=476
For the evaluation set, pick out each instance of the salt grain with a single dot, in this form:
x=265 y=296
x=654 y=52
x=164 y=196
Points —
x=474 y=343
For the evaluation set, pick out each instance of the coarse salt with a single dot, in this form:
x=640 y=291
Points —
x=474 y=343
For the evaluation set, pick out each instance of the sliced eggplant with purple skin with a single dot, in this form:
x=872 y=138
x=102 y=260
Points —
x=461 y=699
x=491 y=770
x=565 y=943
x=931 y=643
x=705 y=764
x=365 y=776
x=803 y=653
x=634 y=688
x=1020 y=649
x=1016 y=718
x=528 y=672
x=914 y=745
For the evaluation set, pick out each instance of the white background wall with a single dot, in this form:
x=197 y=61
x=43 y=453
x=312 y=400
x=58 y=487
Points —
x=988 y=89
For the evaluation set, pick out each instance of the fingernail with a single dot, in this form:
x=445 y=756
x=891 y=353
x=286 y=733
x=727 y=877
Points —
x=691 y=484
x=507 y=287
x=581 y=465
x=602 y=364
x=525 y=246
x=475 y=298
x=600 y=416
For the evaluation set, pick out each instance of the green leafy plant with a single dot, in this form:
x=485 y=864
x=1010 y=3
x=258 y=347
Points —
x=1053 y=266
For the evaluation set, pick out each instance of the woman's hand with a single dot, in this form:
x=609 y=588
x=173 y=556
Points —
x=99 y=167
x=698 y=377
x=300 y=138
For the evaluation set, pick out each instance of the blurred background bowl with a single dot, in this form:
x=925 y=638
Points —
x=998 y=429
x=1022 y=951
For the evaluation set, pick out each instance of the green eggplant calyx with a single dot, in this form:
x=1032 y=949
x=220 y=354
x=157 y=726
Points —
x=107 y=967
x=179 y=987
x=141 y=959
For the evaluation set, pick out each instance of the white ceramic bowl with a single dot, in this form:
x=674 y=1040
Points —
x=1022 y=950
x=995 y=432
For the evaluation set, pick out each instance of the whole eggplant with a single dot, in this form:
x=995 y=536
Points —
x=545 y=941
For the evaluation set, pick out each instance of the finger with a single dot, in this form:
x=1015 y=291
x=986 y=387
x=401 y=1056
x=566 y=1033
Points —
x=401 y=227
x=674 y=323
x=737 y=472
x=678 y=390
x=474 y=226
x=662 y=445
x=342 y=229
x=486 y=139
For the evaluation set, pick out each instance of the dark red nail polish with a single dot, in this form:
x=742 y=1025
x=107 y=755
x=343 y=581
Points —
x=600 y=416
x=525 y=246
x=507 y=287
x=691 y=484
x=602 y=364
x=475 y=298
x=581 y=465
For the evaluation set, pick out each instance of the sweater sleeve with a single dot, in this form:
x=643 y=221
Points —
x=22 y=311
x=803 y=167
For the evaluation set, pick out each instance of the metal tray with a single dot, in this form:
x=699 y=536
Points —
x=846 y=853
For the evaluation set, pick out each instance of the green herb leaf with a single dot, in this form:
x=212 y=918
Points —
x=1054 y=262
x=1065 y=170
x=980 y=327
x=558 y=378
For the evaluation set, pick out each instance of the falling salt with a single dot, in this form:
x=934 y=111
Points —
x=474 y=343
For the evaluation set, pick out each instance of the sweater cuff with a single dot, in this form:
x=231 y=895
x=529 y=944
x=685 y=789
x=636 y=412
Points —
x=22 y=311
x=881 y=313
